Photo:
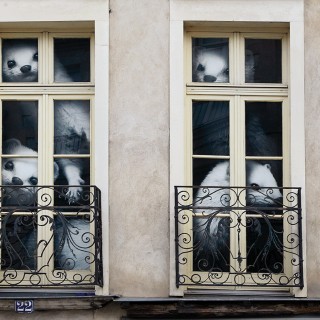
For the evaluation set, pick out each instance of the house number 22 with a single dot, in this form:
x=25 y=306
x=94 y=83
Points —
x=24 y=306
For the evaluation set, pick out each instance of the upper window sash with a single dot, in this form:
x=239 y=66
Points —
x=46 y=57
x=269 y=47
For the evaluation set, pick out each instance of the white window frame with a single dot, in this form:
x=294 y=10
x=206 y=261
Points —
x=220 y=15
x=90 y=17
x=43 y=91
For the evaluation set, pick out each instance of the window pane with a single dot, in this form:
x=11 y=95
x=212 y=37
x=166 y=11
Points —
x=72 y=60
x=264 y=176
x=71 y=126
x=263 y=128
x=210 y=60
x=263 y=61
x=20 y=122
x=20 y=137
x=22 y=172
x=264 y=223
x=265 y=245
x=19 y=242
x=211 y=234
x=210 y=172
x=71 y=136
x=72 y=173
x=211 y=245
x=210 y=122
x=72 y=243
x=19 y=60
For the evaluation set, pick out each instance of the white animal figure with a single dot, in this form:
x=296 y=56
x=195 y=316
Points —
x=20 y=64
x=20 y=60
x=72 y=122
x=19 y=171
x=210 y=65
x=259 y=177
x=72 y=133
x=74 y=252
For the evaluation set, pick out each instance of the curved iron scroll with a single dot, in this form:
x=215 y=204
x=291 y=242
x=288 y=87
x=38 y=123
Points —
x=243 y=236
x=44 y=243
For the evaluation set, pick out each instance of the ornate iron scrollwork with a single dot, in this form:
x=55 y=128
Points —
x=47 y=244
x=243 y=236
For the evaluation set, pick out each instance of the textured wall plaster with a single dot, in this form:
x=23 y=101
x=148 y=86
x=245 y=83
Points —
x=139 y=143
x=312 y=120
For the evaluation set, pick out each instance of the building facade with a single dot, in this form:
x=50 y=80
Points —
x=159 y=158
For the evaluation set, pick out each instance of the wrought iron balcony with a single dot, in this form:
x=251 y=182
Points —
x=238 y=236
x=48 y=239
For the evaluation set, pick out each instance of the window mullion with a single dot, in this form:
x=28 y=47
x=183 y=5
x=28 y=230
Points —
x=43 y=61
x=44 y=251
x=237 y=58
x=237 y=176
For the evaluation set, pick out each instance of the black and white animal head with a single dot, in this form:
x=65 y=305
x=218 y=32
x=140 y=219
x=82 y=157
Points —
x=210 y=65
x=20 y=60
x=20 y=171
x=263 y=186
x=263 y=190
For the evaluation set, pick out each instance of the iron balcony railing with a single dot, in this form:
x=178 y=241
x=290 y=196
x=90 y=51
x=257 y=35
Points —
x=238 y=236
x=48 y=239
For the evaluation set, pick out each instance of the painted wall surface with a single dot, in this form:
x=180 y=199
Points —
x=53 y=10
x=139 y=143
x=312 y=120
x=139 y=147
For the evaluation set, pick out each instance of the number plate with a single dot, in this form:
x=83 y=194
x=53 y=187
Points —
x=24 y=306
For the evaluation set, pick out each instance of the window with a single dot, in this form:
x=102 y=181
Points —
x=50 y=222
x=238 y=225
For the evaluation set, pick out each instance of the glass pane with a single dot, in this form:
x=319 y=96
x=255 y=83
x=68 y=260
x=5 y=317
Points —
x=72 y=173
x=19 y=242
x=263 y=128
x=20 y=60
x=208 y=172
x=210 y=122
x=19 y=172
x=211 y=249
x=265 y=245
x=72 y=243
x=265 y=177
x=20 y=122
x=211 y=234
x=210 y=60
x=263 y=62
x=71 y=126
x=72 y=60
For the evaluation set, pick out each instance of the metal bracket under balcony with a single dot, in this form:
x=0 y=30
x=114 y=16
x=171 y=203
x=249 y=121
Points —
x=238 y=236
x=48 y=238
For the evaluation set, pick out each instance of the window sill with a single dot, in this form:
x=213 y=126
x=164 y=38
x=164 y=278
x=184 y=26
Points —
x=204 y=307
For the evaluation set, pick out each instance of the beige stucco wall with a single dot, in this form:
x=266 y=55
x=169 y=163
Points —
x=139 y=152
x=139 y=147
x=312 y=120
x=139 y=131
